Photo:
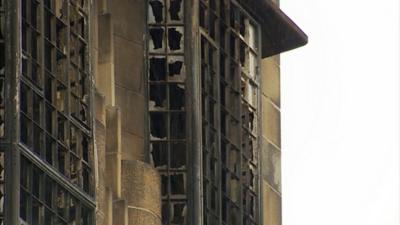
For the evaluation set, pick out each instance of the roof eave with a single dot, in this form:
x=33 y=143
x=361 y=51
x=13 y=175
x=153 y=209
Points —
x=279 y=32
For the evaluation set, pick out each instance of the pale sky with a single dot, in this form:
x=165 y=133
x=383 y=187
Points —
x=340 y=114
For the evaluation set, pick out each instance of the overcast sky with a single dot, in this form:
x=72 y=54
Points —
x=340 y=114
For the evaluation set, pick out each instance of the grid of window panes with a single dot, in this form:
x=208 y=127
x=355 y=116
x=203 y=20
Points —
x=54 y=89
x=166 y=103
x=44 y=202
x=229 y=74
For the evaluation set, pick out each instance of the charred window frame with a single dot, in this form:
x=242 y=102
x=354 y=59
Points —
x=44 y=201
x=230 y=58
x=55 y=113
x=167 y=105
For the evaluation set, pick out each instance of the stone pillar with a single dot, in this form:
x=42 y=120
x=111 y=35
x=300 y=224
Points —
x=141 y=190
x=113 y=150
x=105 y=71
x=120 y=211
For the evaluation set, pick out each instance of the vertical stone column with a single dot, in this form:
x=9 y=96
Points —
x=105 y=71
x=113 y=150
x=271 y=141
x=128 y=191
x=129 y=27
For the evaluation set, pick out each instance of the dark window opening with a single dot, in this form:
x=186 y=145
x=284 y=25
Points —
x=157 y=36
x=158 y=96
x=159 y=152
x=157 y=69
x=174 y=39
x=177 y=97
x=158 y=125
x=175 y=8
x=157 y=10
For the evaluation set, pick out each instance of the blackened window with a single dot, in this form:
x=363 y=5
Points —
x=55 y=115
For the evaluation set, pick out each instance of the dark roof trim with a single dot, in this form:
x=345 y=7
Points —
x=279 y=32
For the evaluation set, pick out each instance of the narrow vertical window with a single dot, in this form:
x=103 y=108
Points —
x=55 y=112
x=229 y=76
x=167 y=105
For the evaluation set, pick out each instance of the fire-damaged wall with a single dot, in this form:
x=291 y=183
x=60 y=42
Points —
x=137 y=112
x=129 y=189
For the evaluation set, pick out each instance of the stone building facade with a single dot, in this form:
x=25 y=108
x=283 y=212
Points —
x=134 y=112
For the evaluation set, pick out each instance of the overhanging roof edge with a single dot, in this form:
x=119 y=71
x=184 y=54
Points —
x=279 y=32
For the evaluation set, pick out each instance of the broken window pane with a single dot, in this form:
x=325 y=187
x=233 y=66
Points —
x=177 y=96
x=178 y=184
x=36 y=182
x=178 y=156
x=50 y=149
x=86 y=148
x=175 y=10
x=74 y=169
x=38 y=139
x=165 y=213
x=158 y=70
x=61 y=96
x=48 y=217
x=86 y=216
x=61 y=128
x=25 y=130
x=202 y=16
x=164 y=185
x=158 y=126
x=86 y=179
x=157 y=39
x=178 y=125
x=175 y=38
x=37 y=108
x=234 y=214
x=158 y=97
x=176 y=70
x=252 y=66
x=62 y=160
x=61 y=201
x=23 y=205
x=252 y=39
x=178 y=214
x=48 y=189
x=24 y=101
x=24 y=174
